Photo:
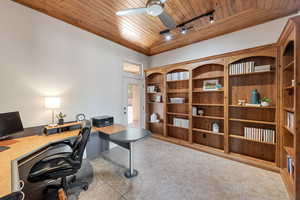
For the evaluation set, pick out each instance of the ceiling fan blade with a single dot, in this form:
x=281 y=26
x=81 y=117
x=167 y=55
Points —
x=167 y=20
x=132 y=11
x=163 y=1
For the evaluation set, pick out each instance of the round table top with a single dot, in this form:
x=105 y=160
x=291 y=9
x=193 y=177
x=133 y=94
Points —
x=130 y=135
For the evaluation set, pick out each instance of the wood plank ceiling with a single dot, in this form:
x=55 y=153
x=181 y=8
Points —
x=141 y=32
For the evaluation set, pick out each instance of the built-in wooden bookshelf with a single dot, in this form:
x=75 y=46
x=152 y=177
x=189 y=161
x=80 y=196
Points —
x=221 y=106
x=177 y=87
x=275 y=140
x=152 y=104
x=290 y=97
x=257 y=118
x=210 y=102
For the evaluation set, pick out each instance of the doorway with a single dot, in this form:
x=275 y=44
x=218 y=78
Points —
x=133 y=95
x=133 y=105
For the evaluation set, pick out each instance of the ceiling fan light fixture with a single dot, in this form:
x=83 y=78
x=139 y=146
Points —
x=155 y=8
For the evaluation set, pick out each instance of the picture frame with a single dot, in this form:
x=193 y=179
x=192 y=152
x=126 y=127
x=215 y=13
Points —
x=210 y=85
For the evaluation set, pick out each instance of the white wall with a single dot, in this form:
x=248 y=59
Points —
x=262 y=34
x=42 y=56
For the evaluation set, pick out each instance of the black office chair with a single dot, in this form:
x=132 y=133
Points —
x=61 y=165
x=14 y=196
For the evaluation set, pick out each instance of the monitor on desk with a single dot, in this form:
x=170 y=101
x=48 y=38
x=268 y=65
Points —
x=10 y=123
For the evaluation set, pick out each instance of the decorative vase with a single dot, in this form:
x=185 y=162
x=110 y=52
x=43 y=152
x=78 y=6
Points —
x=254 y=97
x=265 y=104
x=61 y=122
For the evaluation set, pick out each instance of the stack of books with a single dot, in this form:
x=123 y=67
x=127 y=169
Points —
x=259 y=134
x=262 y=68
x=178 y=76
x=179 y=122
x=290 y=166
x=290 y=120
x=152 y=89
x=241 y=68
x=177 y=100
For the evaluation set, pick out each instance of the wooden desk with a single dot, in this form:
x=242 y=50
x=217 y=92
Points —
x=22 y=147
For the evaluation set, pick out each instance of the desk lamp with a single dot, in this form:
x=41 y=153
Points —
x=52 y=103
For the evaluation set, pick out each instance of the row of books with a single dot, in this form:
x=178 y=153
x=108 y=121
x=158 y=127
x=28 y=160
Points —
x=259 y=134
x=290 y=120
x=178 y=76
x=179 y=122
x=241 y=68
x=290 y=166
x=247 y=67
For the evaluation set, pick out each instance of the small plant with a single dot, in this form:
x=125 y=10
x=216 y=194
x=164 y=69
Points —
x=61 y=116
x=266 y=99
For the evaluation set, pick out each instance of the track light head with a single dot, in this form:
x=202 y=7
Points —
x=211 y=19
x=183 y=30
x=167 y=35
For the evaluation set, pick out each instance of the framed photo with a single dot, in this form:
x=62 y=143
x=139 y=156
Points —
x=210 y=85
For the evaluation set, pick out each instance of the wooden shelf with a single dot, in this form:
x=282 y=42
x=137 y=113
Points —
x=178 y=91
x=208 y=117
x=201 y=104
x=288 y=66
x=206 y=78
x=154 y=92
x=290 y=151
x=243 y=138
x=160 y=122
x=289 y=109
x=290 y=130
x=207 y=131
x=200 y=90
x=155 y=102
x=252 y=73
x=289 y=87
x=260 y=107
x=179 y=114
x=154 y=82
x=253 y=121
x=171 y=125
x=178 y=103
x=255 y=161
x=177 y=80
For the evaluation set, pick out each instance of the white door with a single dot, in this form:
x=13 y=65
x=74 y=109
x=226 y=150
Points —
x=133 y=104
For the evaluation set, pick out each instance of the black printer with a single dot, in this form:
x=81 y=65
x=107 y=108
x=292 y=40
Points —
x=102 y=121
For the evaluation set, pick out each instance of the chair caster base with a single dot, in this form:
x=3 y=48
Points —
x=127 y=174
x=85 y=188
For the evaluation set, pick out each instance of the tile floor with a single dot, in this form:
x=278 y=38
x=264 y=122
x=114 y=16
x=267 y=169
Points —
x=170 y=172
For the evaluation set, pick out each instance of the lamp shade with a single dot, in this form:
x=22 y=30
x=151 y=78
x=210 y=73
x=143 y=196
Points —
x=52 y=102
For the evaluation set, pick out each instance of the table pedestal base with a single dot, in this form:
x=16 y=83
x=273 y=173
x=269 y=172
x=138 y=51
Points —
x=127 y=174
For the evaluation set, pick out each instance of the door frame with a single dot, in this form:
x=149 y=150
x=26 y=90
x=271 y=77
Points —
x=136 y=79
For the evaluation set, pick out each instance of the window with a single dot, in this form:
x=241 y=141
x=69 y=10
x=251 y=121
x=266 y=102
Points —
x=132 y=68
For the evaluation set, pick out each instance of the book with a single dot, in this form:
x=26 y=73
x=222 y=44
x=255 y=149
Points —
x=290 y=120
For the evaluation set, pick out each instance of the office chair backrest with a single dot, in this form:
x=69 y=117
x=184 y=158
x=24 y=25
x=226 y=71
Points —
x=80 y=144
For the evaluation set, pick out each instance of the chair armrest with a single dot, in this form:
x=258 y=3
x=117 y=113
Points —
x=65 y=142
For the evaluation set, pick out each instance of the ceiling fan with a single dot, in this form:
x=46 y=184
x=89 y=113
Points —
x=154 y=8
